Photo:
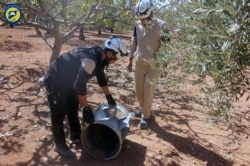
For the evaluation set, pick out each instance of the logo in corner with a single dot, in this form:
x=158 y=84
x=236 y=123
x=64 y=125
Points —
x=12 y=13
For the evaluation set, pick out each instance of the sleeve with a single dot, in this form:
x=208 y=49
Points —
x=165 y=28
x=81 y=82
x=133 y=43
x=165 y=37
x=85 y=73
x=101 y=78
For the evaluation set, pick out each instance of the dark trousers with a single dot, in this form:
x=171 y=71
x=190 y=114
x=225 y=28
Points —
x=63 y=102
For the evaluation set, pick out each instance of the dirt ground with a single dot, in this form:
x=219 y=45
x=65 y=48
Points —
x=178 y=135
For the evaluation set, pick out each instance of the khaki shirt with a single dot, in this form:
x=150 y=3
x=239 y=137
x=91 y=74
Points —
x=145 y=42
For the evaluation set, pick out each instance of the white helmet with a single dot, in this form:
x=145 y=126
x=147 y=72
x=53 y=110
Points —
x=117 y=45
x=143 y=8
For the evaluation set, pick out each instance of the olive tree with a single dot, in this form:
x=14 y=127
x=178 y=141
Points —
x=56 y=21
x=211 y=39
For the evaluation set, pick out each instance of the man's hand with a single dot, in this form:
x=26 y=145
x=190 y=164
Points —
x=165 y=36
x=88 y=115
x=110 y=100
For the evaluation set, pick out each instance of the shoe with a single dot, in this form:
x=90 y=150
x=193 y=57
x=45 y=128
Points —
x=144 y=123
x=64 y=151
x=138 y=114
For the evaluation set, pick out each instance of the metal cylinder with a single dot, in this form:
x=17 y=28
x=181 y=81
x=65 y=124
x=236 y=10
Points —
x=104 y=138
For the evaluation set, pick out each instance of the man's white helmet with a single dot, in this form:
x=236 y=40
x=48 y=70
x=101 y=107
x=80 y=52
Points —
x=143 y=8
x=117 y=45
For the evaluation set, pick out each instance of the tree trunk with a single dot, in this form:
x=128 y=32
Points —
x=111 y=30
x=99 y=32
x=81 y=34
x=56 y=50
x=112 y=25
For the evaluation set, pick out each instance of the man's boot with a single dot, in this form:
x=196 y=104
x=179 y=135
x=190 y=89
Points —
x=64 y=151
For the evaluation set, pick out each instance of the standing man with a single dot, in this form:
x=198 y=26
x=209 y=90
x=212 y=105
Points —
x=145 y=42
x=66 y=82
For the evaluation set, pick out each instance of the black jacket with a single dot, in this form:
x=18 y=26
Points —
x=73 y=69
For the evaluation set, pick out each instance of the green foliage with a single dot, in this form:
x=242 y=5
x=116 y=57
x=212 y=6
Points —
x=219 y=32
x=108 y=14
x=212 y=40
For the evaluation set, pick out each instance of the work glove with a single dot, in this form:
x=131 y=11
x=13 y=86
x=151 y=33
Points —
x=88 y=115
x=110 y=100
x=164 y=39
x=165 y=36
